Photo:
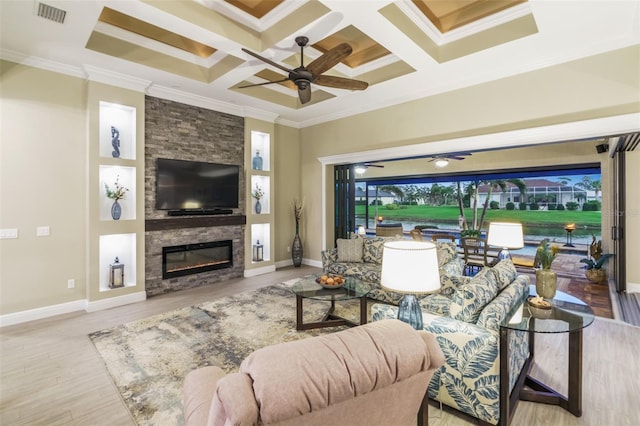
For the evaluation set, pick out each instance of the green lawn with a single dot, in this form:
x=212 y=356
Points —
x=450 y=214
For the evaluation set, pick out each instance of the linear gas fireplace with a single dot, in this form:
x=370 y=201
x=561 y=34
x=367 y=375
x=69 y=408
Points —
x=194 y=258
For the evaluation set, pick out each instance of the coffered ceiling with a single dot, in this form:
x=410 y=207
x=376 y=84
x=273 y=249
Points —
x=191 y=51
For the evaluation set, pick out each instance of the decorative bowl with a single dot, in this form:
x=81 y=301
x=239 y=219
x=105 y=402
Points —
x=331 y=281
x=540 y=310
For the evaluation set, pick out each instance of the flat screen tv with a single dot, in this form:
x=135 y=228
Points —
x=193 y=185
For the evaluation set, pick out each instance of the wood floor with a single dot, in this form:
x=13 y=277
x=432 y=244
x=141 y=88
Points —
x=50 y=373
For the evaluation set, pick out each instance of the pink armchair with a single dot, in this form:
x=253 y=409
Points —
x=374 y=374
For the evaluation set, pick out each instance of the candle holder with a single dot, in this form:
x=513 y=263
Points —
x=258 y=252
x=116 y=272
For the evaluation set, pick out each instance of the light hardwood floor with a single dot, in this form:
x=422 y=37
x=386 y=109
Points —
x=50 y=373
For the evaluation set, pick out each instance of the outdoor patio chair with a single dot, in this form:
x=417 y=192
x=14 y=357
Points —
x=389 y=230
x=475 y=253
x=416 y=234
x=443 y=237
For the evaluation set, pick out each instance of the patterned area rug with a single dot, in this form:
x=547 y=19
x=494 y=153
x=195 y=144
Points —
x=149 y=358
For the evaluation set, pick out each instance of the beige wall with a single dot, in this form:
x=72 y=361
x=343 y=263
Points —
x=43 y=170
x=287 y=181
x=632 y=231
x=600 y=86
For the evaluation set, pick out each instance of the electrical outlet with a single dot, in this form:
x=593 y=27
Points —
x=288 y=249
x=42 y=231
x=8 y=233
x=71 y=283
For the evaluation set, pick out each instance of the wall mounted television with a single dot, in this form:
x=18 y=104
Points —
x=193 y=185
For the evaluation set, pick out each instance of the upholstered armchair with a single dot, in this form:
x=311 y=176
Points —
x=375 y=374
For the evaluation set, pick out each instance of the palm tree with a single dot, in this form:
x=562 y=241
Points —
x=472 y=189
x=589 y=184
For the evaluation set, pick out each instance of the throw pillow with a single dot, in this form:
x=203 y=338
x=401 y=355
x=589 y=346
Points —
x=469 y=300
x=446 y=252
x=373 y=249
x=350 y=250
x=449 y=284
x=505 y=272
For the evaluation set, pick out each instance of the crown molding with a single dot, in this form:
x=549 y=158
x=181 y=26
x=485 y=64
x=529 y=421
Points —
x=260 y=114
x=195 y=100
x=45 y=64
x=111 y=78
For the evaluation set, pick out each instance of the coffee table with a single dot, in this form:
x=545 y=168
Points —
x=568 y=314
x=307 y=288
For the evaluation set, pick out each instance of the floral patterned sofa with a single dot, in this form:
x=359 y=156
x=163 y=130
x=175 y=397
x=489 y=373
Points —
x=362 y=258
x=466 y=317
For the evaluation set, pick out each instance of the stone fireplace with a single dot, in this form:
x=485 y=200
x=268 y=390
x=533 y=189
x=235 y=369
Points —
x=186 y=132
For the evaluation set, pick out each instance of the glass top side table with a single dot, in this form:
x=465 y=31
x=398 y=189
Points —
x=567 y=314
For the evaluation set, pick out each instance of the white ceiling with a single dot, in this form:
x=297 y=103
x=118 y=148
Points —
x=566 y=30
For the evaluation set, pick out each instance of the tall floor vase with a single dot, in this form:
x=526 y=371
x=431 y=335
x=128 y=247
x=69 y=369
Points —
x=296 y=248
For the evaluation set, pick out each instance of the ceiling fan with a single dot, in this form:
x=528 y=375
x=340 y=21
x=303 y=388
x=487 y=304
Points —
x=442 y=160
x=303 y=76
x=362 y=167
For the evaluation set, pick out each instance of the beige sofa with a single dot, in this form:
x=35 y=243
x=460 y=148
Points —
x=362 y=258
x=375 y=374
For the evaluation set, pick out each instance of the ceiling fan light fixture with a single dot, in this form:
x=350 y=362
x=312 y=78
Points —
x=442 y=162
x=360 y=169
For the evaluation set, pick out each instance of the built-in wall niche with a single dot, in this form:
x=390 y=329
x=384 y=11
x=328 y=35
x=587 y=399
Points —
x=261 y=234
x=118 y=177
x=259 y=182
x=123 y=247
x=117 y=131
x=260 y=150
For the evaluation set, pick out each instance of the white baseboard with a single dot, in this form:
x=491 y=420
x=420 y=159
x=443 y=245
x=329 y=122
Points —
x=259 y=271
x=39 y=313
x=113 y=302
x=311 y=262
x=289 y=262
x=633 y=287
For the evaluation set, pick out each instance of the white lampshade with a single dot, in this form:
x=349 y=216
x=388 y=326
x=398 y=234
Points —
x=410 y=267
x=505 y=235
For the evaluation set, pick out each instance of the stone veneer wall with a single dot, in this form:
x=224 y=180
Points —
x=185 y=132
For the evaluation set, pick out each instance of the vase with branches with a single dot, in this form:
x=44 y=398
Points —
x=297 y=252
x=258 y=194
x=118 y=193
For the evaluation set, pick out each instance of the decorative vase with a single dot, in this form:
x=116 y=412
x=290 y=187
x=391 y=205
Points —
x=546 y=283
x=296 y=248
x=597 y=276
x=256 y=164
x=116 y=210
x=258 y=207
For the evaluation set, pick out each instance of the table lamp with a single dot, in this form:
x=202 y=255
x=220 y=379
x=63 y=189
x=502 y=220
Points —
x=411 y=268
x=505 y=235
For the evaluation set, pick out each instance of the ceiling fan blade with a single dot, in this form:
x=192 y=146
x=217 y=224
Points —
x=262 y=84
x=374 y=165
x=329 y=59
x=455 y=158
x=340 y=83
x=268 y=61
x=304 y=94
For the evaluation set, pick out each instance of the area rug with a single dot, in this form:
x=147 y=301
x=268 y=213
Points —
x=149 y=358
